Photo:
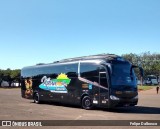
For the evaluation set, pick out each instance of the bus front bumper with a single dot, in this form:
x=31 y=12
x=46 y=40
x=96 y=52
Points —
x=122 y=102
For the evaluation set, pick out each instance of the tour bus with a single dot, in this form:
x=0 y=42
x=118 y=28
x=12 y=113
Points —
x=104 y=80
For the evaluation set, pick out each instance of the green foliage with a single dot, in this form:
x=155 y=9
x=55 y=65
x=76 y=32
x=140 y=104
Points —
x=149 y=62
x=10 y=75
x=15 y=73
x=145 y=87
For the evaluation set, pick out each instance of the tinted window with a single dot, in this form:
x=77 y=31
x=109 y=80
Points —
x=103 y=77
x=89 y=71
x=70 y=69
x=123 y=74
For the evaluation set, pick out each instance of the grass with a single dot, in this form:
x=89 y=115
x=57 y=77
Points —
x=141 y=88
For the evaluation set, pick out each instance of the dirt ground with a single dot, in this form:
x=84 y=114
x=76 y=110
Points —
x=13 y=107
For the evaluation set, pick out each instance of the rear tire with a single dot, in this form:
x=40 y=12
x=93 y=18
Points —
x=36 y=98
x=86 y=103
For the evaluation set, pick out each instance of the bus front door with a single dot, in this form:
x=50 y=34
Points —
x=103 y=89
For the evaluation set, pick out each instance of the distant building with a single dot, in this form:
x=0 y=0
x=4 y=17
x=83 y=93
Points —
x=15 y=84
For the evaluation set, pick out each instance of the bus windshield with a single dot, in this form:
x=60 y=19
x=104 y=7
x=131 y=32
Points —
x=123 y=74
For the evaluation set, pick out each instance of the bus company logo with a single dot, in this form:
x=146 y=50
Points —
x=57 y=85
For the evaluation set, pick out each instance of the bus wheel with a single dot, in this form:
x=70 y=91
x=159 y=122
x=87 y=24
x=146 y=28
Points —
x=36 y=98
x=86 y=102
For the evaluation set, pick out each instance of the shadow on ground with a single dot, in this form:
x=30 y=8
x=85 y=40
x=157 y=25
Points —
x=131 y=110
x=136 y=110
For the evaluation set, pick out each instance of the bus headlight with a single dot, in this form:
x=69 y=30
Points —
x=114 y=97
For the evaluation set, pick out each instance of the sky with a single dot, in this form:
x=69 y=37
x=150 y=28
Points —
x=43 y=31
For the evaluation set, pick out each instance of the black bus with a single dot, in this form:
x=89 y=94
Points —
x=104 y=80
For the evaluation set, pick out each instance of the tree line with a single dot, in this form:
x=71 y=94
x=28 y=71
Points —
x=149 y=62
x=10 y=75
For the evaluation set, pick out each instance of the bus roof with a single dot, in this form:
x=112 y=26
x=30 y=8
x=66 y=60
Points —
x=99 y=56
x=83 y=58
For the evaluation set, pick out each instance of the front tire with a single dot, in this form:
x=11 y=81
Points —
x=36 y=98
x=86 y=103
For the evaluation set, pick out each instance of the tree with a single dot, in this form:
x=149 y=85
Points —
x=150 y=62
x=10 y=75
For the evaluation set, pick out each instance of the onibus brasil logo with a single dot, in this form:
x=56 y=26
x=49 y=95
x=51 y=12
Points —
x=57 y=85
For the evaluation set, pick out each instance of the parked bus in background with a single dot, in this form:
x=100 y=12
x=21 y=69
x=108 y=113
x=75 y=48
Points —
x=151 y=80
x=104 y=80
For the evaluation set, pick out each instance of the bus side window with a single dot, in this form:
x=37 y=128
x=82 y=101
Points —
x=71 y=70
x=103 y=77
x=89 y=71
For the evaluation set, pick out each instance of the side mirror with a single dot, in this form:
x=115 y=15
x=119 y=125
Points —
x=141 y=71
